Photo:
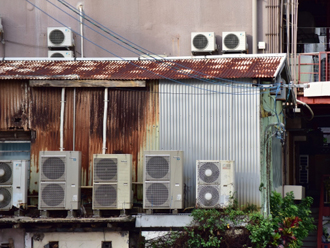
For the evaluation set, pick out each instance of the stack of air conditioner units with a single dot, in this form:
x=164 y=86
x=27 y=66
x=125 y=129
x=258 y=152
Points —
x=215 y=183
x=60 y=42
x=112 y=181
x=163 y=180
x=13 y=183
x=59 y=180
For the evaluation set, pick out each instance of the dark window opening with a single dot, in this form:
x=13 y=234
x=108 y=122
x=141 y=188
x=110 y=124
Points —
x=106 y=244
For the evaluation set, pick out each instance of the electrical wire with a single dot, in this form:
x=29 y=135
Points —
x=100 y=26
x=176 y=81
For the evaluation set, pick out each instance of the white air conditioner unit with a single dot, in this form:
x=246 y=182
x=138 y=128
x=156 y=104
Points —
x=59 y=37
x=13 y=183
x=59 y=180
x=215 y=183
x=203 y=42
x=234 y=42
x=163 y=180
x=60 y=54
x=112 y=181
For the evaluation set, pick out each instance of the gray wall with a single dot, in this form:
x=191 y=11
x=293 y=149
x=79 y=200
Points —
x=219 y=123
x=163 y=27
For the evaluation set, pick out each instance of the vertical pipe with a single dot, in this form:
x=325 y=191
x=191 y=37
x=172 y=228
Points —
x=74 y=120
x=281 y=27
x=288 y=28
x=81 y=31
x=62 y=119
x=254 y=27
x=105 y=120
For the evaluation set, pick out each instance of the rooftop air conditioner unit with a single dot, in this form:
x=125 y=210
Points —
x=163 y=180
x=59 y=37
x=59 y=180
x=13 y=183
x=112 y=181
x=60 y=54
x=234 y=42
x=215 y=183
x=203 y=42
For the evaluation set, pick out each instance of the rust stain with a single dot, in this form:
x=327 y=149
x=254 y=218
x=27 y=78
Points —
x=227 y=67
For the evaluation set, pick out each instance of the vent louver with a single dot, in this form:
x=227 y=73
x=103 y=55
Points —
x=56 y=36
x=158 y=168
x=105 y=169
x=5 y=198
x=200 y=41
x=209 y=173
x=208 y=196
x=53 y=168
x=53 y=195
x=6 y=171
x=157 y=194
x=231 y=41
x=105 y=196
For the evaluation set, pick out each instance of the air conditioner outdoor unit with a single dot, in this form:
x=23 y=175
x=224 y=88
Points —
x=59 y=180
x=163 y=180
x=234 y=42
x=59 y=37
x=215 y=183
x=13 y=183
x=112 y=181
x=203 y=42
x=60 y=54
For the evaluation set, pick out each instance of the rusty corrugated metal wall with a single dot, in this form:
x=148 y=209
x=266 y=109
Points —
x=132 y=124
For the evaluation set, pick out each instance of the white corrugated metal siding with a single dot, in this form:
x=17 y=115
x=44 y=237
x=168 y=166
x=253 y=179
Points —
x=218 y=123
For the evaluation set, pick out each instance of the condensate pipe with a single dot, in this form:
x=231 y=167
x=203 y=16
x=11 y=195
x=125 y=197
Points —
x=105 y=120
x=62 y=119
x=81 y=30
x=254 y=27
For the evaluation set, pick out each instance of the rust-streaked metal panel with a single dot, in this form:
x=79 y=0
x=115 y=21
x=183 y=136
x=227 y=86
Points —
x=243 y=66
x=132 y=123
x=14 y=103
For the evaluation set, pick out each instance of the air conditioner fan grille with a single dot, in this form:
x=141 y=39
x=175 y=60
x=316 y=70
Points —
x=53 y=195
x=105 y=196
x=208 y=196
x=53 y=168
x=158 y=167
x=105 y=169
x=5 y=173
x=56 y=37
x=200 y=41
x=157 y=194
x=209 y=172
x=231 y=41
x=57 y=55
x=5 y=196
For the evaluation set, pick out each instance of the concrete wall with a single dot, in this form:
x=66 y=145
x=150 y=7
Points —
x=79 y=240
x=17 y=236
x=163 y=27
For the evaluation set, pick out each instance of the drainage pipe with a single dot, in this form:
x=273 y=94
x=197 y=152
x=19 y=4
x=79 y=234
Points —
x=254 y=27
x=81 y=30
x=62 y=119
x=105 y=120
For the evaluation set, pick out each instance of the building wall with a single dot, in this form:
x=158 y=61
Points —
x=213 y=122
x=78 y=240
x=132 y=124
x=162 y=27
x=14 y=235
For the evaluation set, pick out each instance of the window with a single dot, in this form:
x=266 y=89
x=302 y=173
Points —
x=106 y=244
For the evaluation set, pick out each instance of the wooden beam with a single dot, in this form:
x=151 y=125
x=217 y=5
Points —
x=86 y=83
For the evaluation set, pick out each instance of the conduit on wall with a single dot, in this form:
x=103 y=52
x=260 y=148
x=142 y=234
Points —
x=254 y=27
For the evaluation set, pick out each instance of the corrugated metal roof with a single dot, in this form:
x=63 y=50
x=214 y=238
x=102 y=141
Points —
x=243 y=66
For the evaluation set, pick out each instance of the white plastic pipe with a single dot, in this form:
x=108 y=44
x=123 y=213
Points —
x=105 y=120
x=62 y=119
x=81 y=31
